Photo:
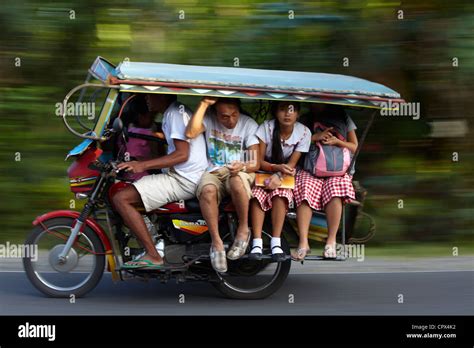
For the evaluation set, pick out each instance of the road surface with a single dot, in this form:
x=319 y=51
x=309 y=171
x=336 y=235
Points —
x=373 y=287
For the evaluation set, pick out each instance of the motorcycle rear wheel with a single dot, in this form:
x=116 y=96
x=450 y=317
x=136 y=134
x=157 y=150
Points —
x=235 y=284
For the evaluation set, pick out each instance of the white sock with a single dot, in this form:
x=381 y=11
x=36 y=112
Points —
x=257 y=242
x=276 y=242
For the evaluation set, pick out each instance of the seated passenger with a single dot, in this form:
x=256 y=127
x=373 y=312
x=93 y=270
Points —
x=282 y=141
x=142 y=123
x=229 y=134
x=325 y=193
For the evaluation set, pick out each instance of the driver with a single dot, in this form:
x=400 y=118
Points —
x=186 y=160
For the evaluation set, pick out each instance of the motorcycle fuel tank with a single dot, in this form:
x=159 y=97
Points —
x=81 y=177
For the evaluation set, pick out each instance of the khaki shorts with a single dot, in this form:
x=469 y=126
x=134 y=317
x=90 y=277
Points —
x=159 y=189
x=221 y=180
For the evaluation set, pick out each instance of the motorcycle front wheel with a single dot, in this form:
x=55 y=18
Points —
x=82 y=269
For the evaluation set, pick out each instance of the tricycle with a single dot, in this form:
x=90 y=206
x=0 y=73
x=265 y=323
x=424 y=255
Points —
x=76 y=247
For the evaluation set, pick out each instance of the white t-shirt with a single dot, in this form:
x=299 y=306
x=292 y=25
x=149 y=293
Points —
x=226 y=145
x=175 y=120
x=300 y=139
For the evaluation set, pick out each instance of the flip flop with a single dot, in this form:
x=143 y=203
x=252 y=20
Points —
x=141 y=264
x=330 y=251
x=300 y=254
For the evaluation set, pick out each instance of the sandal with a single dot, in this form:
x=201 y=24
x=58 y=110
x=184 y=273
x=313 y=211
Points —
x=300 y=254
x=330 y=251
x=141 y=264
x=256 y=255
x=238 y=248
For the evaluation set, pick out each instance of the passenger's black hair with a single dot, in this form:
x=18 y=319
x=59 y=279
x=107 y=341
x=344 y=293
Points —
x=171 y=97
x=277 y=151
x=235 y=101
x=138 y=105
x=333 y=116
x=333 y=110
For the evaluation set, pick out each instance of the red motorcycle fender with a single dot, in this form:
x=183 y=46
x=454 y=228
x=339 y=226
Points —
x=75 y=214
x=94 y=226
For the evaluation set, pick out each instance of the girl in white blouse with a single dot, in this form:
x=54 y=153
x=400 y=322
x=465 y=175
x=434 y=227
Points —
x=282 y=141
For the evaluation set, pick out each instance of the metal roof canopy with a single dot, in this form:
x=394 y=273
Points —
x=260 y=84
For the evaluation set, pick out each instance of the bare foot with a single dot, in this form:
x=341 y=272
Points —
x=303 y=246
x=218 y=246
x=156 y=260
x=300 y=253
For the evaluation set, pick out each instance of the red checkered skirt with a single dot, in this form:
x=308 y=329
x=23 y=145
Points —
x=264 y=197
x=319 y=191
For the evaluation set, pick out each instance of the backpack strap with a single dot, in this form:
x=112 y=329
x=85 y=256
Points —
x=323 y=127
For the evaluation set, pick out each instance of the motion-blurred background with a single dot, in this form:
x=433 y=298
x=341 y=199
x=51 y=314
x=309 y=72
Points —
x=422 y=49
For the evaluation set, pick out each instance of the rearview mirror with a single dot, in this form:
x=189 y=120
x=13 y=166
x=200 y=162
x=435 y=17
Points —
x=117 y=125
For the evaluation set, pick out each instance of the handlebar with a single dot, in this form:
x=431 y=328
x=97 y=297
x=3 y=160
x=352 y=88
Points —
x=104 y=167
x=99 y=166
x=110 y=169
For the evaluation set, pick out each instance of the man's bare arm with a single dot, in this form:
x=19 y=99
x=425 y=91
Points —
x=195 y=125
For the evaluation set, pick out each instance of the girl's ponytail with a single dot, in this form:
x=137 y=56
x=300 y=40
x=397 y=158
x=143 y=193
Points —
x=277 y=151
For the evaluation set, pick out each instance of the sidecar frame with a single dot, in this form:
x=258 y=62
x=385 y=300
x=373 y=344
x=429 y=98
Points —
x=231 y=82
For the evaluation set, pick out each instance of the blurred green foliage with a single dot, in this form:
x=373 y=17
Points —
x=47 y=47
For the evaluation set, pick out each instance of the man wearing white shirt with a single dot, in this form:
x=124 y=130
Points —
x=230 y=135
x=186 y=160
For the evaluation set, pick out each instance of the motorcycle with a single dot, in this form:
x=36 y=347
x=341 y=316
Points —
x=81 y=246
